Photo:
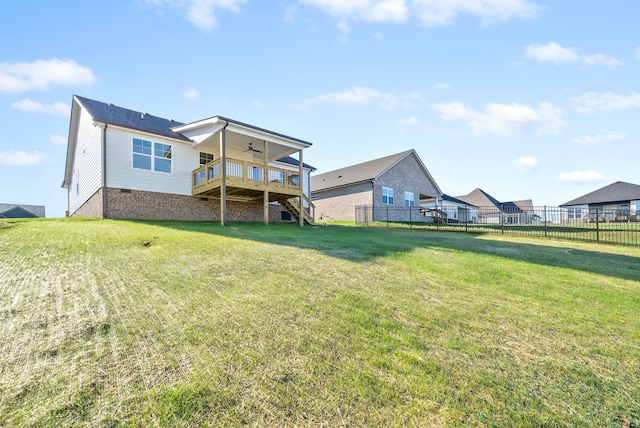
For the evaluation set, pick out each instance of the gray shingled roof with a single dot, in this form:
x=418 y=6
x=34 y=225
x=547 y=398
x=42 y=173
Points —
x=359 y=173
x=615 y=192
x=36 y=210
x=446 y=197
x=119 y=116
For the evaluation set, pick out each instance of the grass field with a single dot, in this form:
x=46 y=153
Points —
x=115 y=323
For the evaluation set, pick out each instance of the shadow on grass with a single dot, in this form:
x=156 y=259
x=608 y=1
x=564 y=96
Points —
x=360 y=244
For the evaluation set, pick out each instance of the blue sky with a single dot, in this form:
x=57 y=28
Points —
x=524 y=99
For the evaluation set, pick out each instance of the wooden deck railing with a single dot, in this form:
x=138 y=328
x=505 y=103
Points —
x=239 y=172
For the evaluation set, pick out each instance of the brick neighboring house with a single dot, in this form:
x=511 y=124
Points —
x=21 y=211
x=396 y=181
x=126 y=164
x=619 y=201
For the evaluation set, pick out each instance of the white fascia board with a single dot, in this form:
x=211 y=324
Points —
x=71 y=142
x=198 y=132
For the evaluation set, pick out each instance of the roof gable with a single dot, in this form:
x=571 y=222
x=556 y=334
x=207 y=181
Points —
x=614 y=192
x=17 y=211
x=362 y=172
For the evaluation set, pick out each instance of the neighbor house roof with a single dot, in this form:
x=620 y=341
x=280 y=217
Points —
x=615 y=192
x=480 y=198
x=448 y=198
x=21 y=211
x=362 y=172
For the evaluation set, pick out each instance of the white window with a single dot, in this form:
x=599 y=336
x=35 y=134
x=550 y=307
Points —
x=408 y=199
x=575 y=213
x=158 y=159
x=205 y=158
x=387 y=196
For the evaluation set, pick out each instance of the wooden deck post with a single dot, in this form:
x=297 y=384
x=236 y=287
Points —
x=266 y=207
x=223 y=176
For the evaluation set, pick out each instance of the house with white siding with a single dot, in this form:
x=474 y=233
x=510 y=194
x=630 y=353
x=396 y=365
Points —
x=127 y=164
x=617 y=202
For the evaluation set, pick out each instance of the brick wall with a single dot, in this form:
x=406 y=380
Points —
x=339 y=204
x=143 y=205
x=91 y=208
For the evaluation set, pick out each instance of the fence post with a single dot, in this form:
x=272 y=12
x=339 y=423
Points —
x=387 y=215
x=410 y=223
x=597 y=226
x=545 y=221
x=502 y=218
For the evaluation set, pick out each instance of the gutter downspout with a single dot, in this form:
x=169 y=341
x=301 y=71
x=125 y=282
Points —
x=104 y=171
x=373 y=200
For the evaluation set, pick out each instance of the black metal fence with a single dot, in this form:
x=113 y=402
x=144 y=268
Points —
x=612 y=226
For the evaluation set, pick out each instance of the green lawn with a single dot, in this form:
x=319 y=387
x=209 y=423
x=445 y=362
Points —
x=313 y=326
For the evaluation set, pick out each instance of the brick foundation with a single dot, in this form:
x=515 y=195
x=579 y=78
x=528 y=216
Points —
x=142 y=205
x=91 y=208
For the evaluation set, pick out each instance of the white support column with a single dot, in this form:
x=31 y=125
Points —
x=223 y=176
x=266 y=182
x=300 y=171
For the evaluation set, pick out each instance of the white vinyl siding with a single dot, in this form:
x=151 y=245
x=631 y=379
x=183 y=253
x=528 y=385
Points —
x=86 y=178
x=121 y=173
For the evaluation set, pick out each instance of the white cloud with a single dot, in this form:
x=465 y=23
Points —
x=367 y=10
x=552 y=52
x=429 y=12
x=257 y=103
x=410 y=121
x=34 y=106
x=22 y=158
x=637 y=55
x=43 y=74
x=378 y=36
x=559 y=55
x=289 y=14
x=201 y=13
x=343 y=26
x=526 y=163
x=445 y=12
x=601 y=60
x=191 y=94
x=588 y=176
x=443 y=85
x=363 y=96
x=58 y=140
x=505 y=119
x=593 y=102
x=607 y=137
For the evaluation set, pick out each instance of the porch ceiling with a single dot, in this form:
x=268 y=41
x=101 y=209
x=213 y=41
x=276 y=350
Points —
x=239 y=137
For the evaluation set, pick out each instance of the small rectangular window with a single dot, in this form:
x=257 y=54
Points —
x=387 y=196
x=205 y=158
x=408 y=199
x=141 y=154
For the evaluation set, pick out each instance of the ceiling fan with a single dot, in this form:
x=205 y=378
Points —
x=251 y=149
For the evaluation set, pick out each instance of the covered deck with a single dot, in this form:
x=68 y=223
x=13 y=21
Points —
x=249 y=164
